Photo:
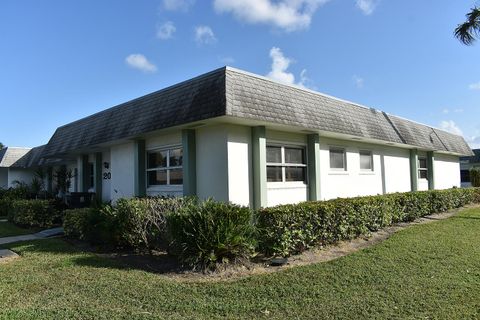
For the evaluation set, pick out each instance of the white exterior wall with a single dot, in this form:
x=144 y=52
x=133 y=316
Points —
x=286 y=192
x=106 y=176
x=212 y=163
x=397 y=169
x=446 y=171
x=22 y=175
x=162 y=142
x=240 y=183
x=122 y=169
x=391 y=170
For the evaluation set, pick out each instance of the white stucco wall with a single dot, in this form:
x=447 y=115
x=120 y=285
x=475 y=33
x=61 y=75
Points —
x=393 y=162
x=212 y=163
x=397 y=169
x=22 y=175
x=446 y=171
x=239 y=165
x=106 y=176
x=164 y=141
x=122 y=169
x=286 y=192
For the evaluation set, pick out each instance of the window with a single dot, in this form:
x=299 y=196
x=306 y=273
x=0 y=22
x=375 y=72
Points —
x=366 y=160
x=465 y=175
x=422 y=168
x=286 y=164
x=338 y=160
x=164 y=167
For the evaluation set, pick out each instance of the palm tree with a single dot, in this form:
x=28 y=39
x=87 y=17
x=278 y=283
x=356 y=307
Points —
x=469 y=31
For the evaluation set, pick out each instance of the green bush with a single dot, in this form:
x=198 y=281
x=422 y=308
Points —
x=138 y=224
x=210 y=233
x=5 y=206
x=475 y=177
x=34 y=213
x=290 y=229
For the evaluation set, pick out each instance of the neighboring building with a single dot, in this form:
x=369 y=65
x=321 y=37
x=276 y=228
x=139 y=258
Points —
x=466 y=164
x=10 y=171
x=240 y=137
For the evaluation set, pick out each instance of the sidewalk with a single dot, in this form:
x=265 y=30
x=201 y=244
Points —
x=36 y=236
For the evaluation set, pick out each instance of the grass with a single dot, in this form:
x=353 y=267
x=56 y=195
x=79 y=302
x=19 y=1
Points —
x=429 y=271
x=8 y=229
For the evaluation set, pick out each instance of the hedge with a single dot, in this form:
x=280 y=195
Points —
x=289 y=229
x=35 y=213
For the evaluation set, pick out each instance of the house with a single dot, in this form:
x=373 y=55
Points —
x=466 y=164
x=243 y=138
x=18 y=164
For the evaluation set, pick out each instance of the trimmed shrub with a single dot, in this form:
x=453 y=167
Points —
x=34 y=213
x=211 y=233
x=5 y=206
x=290 y=229
x=94 y=225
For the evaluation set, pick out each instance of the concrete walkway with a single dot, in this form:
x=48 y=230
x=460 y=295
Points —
x=40 y=235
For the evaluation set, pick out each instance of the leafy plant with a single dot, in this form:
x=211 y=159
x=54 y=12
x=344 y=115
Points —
x=34 y=213
x=475 y=177
x=210 y=233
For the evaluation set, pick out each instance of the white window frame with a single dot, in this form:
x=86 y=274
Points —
x=165 y=187
x=419 y=169
x=345 y=164
x=372 y=166
x=284 y=165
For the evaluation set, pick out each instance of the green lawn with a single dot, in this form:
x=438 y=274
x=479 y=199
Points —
x=429 y=271
x=8 y=229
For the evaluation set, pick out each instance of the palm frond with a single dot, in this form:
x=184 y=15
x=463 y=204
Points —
x=468 y=31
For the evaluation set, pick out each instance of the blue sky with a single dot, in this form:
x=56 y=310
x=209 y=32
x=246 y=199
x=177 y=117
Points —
x=63 y=60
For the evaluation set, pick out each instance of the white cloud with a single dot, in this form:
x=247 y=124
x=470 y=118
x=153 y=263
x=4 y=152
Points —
x=367 y=6
x=289 y=15
x=280 y=73
x=140 y=62
x=359 y=81
x=474 y=86
x=178 y=5
x=166 y=30
x=474 y=142
x=227 y=60
x=204 y=35
x=451 y=126
x=447 y=111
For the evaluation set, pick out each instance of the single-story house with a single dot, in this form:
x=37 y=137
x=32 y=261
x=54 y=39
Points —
x=466 y=164
x=18 y=164
x=239 y=137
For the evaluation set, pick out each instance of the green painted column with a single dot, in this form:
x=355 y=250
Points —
x=313 y=161
x=189 y=162
x=140 y=169
x=259 y=167
x=85 y=174
x=98 y=176
x=414 y=169
x=50 y=180
x=430 y=170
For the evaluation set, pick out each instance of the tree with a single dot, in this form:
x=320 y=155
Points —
x=469 y=31
x=2 y=146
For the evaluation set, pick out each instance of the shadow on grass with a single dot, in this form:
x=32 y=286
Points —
x=81 y=254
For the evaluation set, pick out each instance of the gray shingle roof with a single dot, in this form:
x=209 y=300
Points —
x=10 y=155
x=227 y=91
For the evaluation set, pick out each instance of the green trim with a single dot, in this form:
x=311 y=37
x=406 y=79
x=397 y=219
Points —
x=49 y=179
x=259 y=167
x=313 y=151
x=189 y=162
x=98 y=176
x=140 y=172
x=414 y=169
x=85 y=173
x=430 y=170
